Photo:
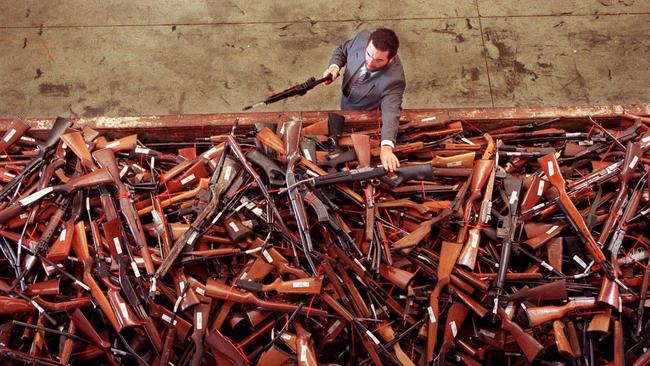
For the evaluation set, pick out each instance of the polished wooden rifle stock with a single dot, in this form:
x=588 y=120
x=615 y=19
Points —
x=126 y=143
x=361 y=145
x=550 y=166
x=528 y=344
x=80 y=248
x=448 y=253
x=542 y=314
x=220 y=290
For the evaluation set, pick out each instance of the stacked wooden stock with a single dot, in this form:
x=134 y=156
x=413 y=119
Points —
x=288 y=244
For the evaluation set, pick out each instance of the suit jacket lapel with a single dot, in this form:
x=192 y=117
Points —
x=358 y=62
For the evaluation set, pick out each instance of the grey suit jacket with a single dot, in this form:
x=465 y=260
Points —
x=383 y=89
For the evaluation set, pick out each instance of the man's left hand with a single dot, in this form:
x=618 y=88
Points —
x=388 y=159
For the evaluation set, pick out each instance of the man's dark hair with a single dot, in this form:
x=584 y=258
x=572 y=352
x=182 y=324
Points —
x=385 y=39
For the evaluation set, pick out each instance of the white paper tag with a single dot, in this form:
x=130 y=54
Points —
x=187 y=179
x=611 y=168
x=178 y=302
x=123 y=171
x=113 y=144
x=372 y=337
x=199 y=320
x=286 y=337
x=156 y=217
x=374 y=311
x=192 y=237
x=633 y=162
x=333 y=326
x=307 y=154
x=552 y=229
x=118 y=247
x=142 y=150
x=540 y=188
x=38 y=307
x=9 y=135
x=620 y=304
x=135 y=269
x=454 y=330
x=267 y=256
x=513 y=197
x=168 y=319
x=82 y=285
x=465 y=140
x=546 y=265
x=509 y=307
x=233 y=226
x=538 y=206
x=200 y=291
x=432 y=316
x=303 y=351
x=551 y=169
x=62 y=236
x=208 y=154
x=282 y=129
x=360 y=265
x=300 y=284
x=523 y=306
x=243 y=276
x=124 y=310
x=23 y=215
x=29 y=139
x=139 y=260
x=580 y=262
x=454 y=164
x=487 y=333
x=35 y=196
x=7 y=174
x=473 y=239
x=226 y=172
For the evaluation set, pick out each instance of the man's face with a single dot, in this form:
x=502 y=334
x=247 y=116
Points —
x=376 y=59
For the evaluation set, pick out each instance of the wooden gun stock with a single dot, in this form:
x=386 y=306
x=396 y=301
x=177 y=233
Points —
x=555 y=290
x=550 y=166
x=80 y=248
x=222 y=291
x=309 y=286
x=123 y=144
x=15 y=131
x=84 y=326
x=529 y=345
x=542 y=314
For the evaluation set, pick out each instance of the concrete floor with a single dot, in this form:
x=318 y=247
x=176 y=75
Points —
x=118 y=58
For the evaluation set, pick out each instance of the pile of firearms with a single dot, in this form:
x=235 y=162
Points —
x=288 y=244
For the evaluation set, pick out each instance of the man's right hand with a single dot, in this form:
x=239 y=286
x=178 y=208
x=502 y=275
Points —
x=332 y=70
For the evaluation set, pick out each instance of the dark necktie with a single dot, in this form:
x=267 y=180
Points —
x=363 y=77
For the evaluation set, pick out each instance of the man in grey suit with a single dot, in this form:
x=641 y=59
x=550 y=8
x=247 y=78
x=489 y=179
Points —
x=373 y=77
